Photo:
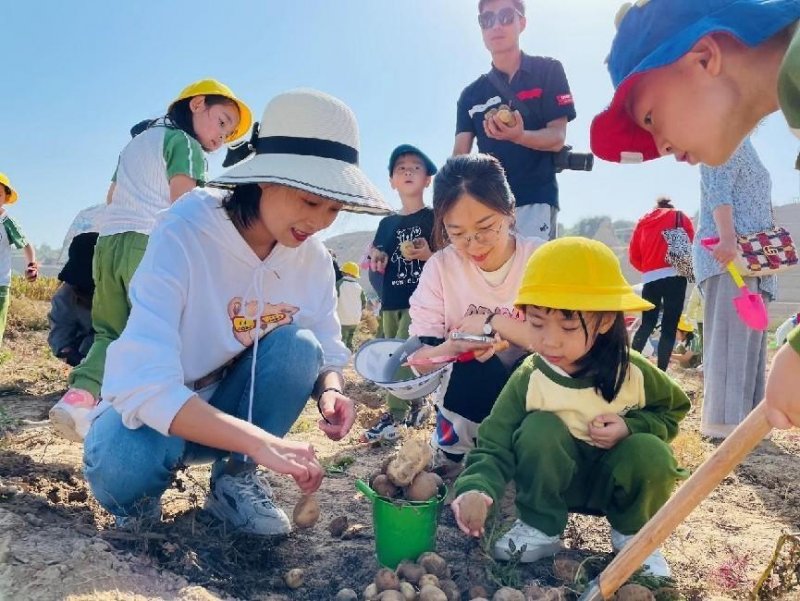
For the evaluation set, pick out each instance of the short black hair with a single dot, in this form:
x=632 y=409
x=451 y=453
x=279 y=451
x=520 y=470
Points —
x=664 y=202
x=518 y=4
x=243 y=206
x=8 y=190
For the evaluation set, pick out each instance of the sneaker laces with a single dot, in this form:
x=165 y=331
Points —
x=254 y=487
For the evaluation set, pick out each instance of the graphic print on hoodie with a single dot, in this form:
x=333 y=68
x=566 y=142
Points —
x=243 y=318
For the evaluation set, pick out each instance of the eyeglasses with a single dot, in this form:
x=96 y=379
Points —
x=504 y=16
x=487 y=236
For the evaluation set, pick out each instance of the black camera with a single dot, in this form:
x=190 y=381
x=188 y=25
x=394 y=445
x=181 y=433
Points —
x=576 y=161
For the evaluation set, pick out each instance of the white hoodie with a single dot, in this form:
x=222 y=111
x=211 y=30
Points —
x=195 y=297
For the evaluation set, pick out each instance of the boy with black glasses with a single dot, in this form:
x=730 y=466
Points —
x=524 y=143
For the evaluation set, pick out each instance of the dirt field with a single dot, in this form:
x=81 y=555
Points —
x=56 y=542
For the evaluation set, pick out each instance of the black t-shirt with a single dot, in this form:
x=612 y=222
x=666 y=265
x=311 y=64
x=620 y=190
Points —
x=542 y=86
x=401 y=276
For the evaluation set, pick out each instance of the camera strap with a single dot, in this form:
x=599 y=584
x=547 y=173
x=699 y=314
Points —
x=505 y=91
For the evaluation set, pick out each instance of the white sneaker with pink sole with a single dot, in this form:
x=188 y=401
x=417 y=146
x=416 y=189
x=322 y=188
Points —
x=70 y=416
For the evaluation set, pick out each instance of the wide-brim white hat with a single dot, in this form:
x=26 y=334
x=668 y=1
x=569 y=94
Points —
x=379 y=360
x=309 y=140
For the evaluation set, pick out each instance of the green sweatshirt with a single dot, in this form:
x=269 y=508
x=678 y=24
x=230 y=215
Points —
x=789 y=86
x=650 y=402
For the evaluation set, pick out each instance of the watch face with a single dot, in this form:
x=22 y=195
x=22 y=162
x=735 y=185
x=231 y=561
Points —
x=487 y=329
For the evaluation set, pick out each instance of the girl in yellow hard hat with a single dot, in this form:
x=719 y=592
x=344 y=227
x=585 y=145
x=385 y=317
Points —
x=164 y=160
x=11 y=235
x=688 y=351
x=350 y=301
x=584 y=423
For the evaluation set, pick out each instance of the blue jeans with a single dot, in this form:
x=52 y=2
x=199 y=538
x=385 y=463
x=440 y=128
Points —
x=128 y=470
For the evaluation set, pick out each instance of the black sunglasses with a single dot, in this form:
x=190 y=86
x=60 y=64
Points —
x=504 y=16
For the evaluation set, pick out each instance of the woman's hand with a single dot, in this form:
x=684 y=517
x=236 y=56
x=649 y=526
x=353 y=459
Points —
x=295 y=459
x=338 y=414
x=607 y=430
x=476 y=526
x=726 y=251
x=473 y=324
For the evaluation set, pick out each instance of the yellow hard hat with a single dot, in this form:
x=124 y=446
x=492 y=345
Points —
x=7 y=183
x=684 y=324
x=577 y=274
x=351 y=268
x=204 y=87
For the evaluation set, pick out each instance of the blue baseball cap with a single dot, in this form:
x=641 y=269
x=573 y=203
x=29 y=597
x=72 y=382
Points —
x=656 y=33
x=409 y=149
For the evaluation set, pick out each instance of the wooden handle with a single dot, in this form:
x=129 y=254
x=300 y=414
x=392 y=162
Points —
x=727 y=456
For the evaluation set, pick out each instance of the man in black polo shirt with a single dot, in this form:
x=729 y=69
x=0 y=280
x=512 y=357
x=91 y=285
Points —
x=527 y=147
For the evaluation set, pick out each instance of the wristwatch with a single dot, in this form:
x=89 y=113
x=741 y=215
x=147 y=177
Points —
x=488 y=330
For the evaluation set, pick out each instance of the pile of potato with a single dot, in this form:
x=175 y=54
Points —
x=405 y=475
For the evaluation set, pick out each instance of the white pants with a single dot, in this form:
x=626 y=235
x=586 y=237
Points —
x=537 y=221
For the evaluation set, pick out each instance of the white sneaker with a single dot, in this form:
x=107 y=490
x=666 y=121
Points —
x=654 y=564
x=70 y=416
x=537 y=544
x=245 y=501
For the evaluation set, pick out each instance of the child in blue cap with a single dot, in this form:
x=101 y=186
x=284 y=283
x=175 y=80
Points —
x=693 y=78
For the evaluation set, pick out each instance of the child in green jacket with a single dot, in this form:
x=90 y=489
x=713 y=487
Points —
x=584 y=424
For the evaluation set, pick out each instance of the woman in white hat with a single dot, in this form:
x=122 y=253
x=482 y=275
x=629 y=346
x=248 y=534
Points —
x=233 y=326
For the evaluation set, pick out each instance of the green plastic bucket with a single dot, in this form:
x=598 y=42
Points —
x=404 y=530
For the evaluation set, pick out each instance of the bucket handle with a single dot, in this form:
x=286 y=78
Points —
x=364 y=488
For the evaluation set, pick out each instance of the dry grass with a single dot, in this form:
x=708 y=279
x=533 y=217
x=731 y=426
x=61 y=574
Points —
x=42 y=289
x=25 y=315
x=689 y=449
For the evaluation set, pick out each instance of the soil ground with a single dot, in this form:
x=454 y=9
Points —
x=57 y=543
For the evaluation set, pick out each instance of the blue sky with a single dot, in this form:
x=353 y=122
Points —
x=77 y=75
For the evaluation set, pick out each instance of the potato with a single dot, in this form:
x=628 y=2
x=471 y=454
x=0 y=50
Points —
x=634 y=592
x=508 y=594
x=337 y=526
x=391 y=596
x=386 y=580
x=506 y=116
x=411 y=572
x=424 y=487
x=431 y=593
x=567 y=570
x=478 y=591
x=534 y=592
x=413 y=457
x=346 y=594
x=371 y=592
x=434 y=564
x=306 y=512
x=385 y=463
x=406 y=246
x=450 y=588
x=384 y=487
x=473 y=511
x=294 y=578
x=408 y=590
x=428 y=580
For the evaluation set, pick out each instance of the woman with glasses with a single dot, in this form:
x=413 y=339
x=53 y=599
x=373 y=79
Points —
x=477 y=272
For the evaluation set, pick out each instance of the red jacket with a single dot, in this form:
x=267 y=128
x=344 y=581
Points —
x=648 y=248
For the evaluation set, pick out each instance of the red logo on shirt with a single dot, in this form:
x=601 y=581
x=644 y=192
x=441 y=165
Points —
x=564 y=99
x=530 y=94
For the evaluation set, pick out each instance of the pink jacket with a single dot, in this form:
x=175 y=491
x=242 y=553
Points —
x=452 y=287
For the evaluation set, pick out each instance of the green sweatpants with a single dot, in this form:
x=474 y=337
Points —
x=5 y=301
x=395 y=325
x=557 y=473
x=116 y=258
x=347 y=335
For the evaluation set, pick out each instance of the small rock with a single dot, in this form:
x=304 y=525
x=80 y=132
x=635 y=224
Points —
x=33 y=520
x=77 y=496
x=337 y=528
x=346 y=594
x=354 y=531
